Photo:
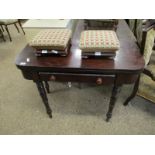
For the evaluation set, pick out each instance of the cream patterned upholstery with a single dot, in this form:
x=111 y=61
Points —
x=146 y=88
x=149 y=45
x=99 y=40
x=151 y=68
x=57 y=39
x=147 y=84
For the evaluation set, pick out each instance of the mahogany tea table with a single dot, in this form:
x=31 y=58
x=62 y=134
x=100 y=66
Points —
x=124 y=68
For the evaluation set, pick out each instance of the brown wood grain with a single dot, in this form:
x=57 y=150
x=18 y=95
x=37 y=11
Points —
x=124 y=68
x=127 y=60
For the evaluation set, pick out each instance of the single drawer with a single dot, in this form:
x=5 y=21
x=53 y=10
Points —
x=65 y=77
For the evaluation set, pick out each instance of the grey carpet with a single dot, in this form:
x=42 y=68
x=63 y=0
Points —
x=75 y=111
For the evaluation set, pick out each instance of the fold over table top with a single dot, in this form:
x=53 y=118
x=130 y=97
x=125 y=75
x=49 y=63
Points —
x=127 y=60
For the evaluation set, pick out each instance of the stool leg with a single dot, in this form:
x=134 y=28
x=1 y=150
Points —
x=21 y=26
x=2 y=35
x=8 y=32
x=16 y=27
x=2 y=28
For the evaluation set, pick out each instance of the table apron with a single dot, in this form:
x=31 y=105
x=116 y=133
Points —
x=122 y=78
x=86 y=78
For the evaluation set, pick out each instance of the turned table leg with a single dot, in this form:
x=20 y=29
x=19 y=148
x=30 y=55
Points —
x=134 y=92
x=47 y=86
x=43 y=95
x=113 y=98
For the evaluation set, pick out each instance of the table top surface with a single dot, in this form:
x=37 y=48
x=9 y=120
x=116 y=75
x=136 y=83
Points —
x=127 y=60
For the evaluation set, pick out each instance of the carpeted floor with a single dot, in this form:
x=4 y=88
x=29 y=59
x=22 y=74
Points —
x=75 y=111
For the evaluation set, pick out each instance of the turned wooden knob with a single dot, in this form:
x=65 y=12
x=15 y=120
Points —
x=99 y=81
x=53 y=78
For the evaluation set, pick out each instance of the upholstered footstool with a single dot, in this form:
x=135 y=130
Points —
x=53 y=41
x=99 y=43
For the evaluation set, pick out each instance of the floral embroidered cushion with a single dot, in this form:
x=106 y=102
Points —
x=99 y=40
x=57 y=39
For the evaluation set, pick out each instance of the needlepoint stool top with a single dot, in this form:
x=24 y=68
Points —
x=99 y=40
x=57 y=39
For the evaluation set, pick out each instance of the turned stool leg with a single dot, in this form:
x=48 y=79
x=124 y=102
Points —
x=21 y=26
x=2 y=28
x=8 y=32
x=16 y=27
x=2 y=35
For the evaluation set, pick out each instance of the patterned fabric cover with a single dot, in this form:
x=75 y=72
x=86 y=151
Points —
x=147 y=88
x=149 y=45
x=99 y=40
x=147 y=85
x=151 y=66
x=51 y=39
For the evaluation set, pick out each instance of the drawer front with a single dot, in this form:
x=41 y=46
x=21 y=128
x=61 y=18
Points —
x=88 y=78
